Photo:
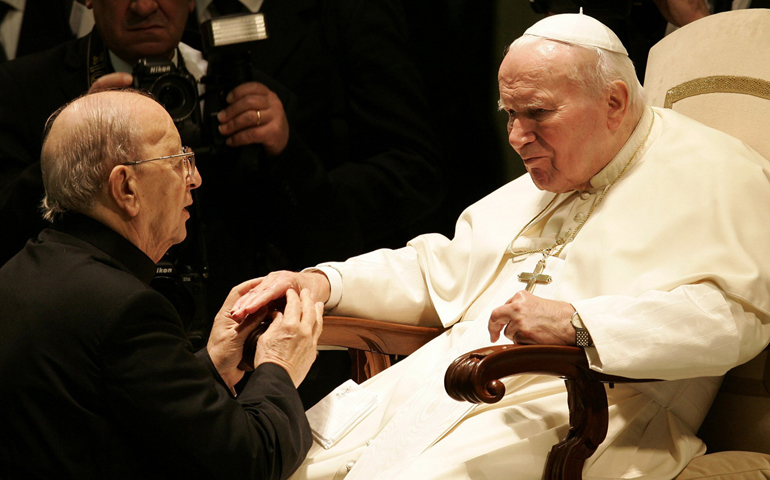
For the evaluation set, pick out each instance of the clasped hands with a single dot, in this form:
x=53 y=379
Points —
x=254 y=114
x=290 y=341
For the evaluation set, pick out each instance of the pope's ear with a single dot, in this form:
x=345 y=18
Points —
x=618 y=98
x=122 y=189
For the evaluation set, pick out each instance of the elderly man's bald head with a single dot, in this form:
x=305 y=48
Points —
x=83 y=141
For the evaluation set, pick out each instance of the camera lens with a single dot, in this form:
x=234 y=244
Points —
x=176 y=95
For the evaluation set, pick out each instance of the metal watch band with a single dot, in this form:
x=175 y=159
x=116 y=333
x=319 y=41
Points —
x=582 y=337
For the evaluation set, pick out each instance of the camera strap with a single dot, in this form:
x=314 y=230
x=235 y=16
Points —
x=98 y=58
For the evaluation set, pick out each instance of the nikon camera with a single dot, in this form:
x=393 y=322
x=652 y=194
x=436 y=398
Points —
x=176 y=90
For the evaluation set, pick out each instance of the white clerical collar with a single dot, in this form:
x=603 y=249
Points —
x=617 y=164
x=202 y=7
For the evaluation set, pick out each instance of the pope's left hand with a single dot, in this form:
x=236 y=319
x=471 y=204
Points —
x=254 y=115
x=528 y=319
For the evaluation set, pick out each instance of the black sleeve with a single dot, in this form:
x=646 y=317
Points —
x=181 y=419
x=21 y=183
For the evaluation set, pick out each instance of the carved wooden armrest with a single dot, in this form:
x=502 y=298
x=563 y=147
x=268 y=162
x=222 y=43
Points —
x=372 y=342
x=475 y=377
x=375 y=336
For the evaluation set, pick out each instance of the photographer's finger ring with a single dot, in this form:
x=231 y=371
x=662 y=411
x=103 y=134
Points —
x=259 y=117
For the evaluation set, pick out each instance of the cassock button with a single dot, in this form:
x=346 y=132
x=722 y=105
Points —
x=580 y=217
x=350 y=466
x=584 y=195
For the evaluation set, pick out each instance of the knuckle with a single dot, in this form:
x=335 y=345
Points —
x=249 y=117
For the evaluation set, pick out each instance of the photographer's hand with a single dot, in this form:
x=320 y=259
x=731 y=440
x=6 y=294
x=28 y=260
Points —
x=255 y=115
x=112 y=80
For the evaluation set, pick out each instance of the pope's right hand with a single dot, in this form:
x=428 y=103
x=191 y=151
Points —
x=112 y=80
x=274 y=287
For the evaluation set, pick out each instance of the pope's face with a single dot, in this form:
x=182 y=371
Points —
x=556 y=127
x=166 y=190
x=135 y=29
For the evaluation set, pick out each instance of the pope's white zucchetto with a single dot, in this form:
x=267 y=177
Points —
x=577 y=29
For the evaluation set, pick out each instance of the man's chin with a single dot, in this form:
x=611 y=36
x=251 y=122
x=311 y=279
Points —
x=181 y=235
x=147 y=44
x=539 y=178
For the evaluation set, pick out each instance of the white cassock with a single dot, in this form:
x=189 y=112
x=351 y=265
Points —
x=670 y=275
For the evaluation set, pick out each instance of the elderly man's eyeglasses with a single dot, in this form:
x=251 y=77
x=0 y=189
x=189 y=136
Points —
x=188 y=160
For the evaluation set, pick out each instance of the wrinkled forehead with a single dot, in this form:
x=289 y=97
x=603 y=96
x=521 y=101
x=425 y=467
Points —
x=541 y=63
x=535 y=54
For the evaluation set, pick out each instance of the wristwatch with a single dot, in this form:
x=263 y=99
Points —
x=582 y=337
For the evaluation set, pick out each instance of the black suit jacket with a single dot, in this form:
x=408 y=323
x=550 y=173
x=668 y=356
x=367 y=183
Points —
x=31 y=89
x=97 y=379
x=45 y=25
x=361 y=169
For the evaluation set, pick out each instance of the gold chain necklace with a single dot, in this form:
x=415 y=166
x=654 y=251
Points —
x=557 y=247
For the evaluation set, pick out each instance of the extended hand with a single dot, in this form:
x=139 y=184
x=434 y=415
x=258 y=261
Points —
x=255 y=115
x=274 y=286
x=225 y=345
x=292 y=338
x=527 y=319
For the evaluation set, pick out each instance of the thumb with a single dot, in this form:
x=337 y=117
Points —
x=112 y=80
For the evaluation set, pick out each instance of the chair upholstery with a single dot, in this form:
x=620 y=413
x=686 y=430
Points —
x=717 y=71
x=739 y=419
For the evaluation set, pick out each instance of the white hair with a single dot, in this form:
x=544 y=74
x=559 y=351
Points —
x=76 y=162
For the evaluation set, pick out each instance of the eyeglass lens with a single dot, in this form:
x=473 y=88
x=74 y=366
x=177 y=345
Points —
x=189 y=162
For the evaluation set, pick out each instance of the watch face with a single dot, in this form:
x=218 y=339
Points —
x=576 y=321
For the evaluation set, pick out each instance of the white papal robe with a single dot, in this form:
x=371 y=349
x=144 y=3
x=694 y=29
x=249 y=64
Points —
x=670 y=275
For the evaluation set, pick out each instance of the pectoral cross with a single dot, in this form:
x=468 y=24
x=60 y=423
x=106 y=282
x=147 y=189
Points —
x=536 y=276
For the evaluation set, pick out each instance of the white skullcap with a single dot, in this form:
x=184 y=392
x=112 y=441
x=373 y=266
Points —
x=577 y=29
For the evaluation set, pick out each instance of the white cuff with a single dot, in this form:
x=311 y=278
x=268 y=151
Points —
x=335 y=284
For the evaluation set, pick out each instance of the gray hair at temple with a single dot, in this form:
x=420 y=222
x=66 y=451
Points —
x=77 y=162
x=595 y=76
